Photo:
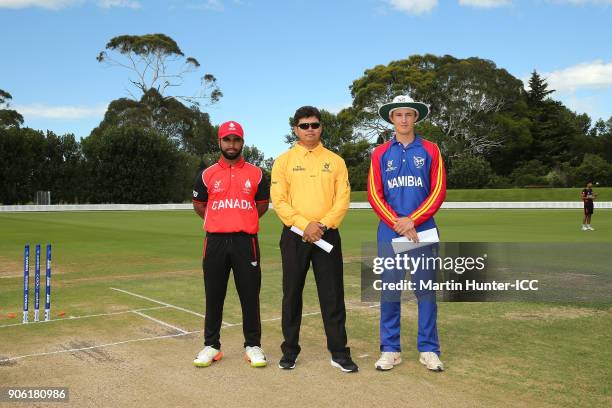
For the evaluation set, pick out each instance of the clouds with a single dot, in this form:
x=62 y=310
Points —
x=47 y=4
x=485 y=3
x=582 y=87
x=582 y=2
x=418 y=7
x=414 y=6
x=133 y=4
x=591 y=75
x=60 y=4
x=212 y=5
x=42 y=111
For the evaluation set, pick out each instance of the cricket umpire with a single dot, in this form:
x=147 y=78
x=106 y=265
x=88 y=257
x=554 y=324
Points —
x=310 y=191
x=406 y=187
x=230 y=196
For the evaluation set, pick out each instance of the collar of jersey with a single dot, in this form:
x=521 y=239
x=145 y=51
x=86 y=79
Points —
x=304 y=151
x=416 y=142
x=238 y=164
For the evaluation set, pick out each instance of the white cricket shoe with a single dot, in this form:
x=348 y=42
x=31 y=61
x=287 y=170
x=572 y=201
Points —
x=207 y=356
x=584 y=228
x=431 y=360
x=388 y=360
x=255 y=356
x=590 y=228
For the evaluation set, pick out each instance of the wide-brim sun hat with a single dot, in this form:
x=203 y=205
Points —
x=403 y=101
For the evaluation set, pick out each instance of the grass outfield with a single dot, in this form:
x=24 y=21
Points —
x=512 y=194
x=497 y=354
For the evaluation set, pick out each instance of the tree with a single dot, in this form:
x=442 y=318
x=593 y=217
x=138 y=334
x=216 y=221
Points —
x=9 y=118
x=22 y=152
x=471 y=100
x=380 y=84
x=593 y=168
x=337 y=130
x=187 y=126
x=253 y=155
x=601 y=128
x=136 y=165
x=538 y=89
x=62 y=172
x=530 y=173
x=602 y=143
x=356 y=155
x=469 y=172
x=556 y=133
x=158 y=63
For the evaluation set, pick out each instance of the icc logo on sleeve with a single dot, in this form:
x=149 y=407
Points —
x=195 y=193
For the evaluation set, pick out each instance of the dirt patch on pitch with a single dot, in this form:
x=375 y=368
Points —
x=10 y=268
x=88 y=351
x=160 y=374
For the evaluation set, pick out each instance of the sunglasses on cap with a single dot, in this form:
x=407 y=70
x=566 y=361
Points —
x=313 y=125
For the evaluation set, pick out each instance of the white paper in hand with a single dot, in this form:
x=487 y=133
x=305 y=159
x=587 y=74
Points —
x=324 y=245
x=403 y=244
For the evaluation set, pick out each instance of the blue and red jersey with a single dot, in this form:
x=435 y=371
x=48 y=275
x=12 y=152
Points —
x=407 y=181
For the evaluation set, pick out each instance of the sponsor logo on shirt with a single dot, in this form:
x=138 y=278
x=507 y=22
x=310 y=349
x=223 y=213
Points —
x=195 y=193
x=299 y=168
x=390 y=166
x=232 y=203
x=418 y=161
x=405 y=181
x=217 y=186
x=247 y=187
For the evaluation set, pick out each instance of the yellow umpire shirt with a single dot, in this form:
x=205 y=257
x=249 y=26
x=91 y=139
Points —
x=310 y=185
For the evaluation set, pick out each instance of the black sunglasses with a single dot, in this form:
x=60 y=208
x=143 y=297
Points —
x=313 y=125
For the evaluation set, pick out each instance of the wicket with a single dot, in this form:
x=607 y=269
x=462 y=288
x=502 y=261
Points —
x=26 y=284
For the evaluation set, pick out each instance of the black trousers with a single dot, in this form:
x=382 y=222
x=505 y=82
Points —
x=328 y=271
x=240 y=253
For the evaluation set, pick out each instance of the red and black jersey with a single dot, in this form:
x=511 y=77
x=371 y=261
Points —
x=587 y=195
x=230 y=193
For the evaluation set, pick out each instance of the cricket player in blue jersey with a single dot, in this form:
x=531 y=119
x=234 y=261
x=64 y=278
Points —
x=406 y=187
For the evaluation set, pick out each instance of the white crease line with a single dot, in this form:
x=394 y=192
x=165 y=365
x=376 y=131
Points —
x=85 y=316
x=74 y=350
x=166 y=304
x=150 y=338
x=160 y=322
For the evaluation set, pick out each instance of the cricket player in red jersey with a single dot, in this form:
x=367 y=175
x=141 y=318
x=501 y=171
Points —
x=587 y=195
x=230 y=196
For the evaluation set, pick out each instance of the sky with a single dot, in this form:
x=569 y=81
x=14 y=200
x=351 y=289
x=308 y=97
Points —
x=271 y=57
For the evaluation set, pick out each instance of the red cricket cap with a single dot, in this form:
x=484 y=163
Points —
x=230 y=128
